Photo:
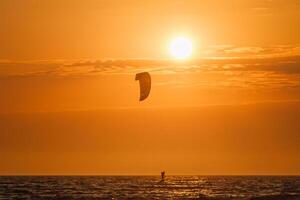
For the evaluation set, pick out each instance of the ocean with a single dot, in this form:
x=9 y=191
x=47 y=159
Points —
x=149 y=187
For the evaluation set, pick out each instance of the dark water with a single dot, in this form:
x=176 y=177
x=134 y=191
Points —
x=150 y=187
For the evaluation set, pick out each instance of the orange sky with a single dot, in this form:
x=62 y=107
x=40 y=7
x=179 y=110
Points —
x=69 y=101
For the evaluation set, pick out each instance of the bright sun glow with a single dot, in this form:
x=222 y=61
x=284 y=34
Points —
x=181 y=48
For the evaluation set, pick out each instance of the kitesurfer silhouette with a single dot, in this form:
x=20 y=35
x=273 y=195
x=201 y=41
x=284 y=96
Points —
x=162 y=175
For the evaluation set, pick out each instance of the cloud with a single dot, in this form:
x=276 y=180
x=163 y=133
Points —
x=279 y=59
x=277 y=66
x=253 y=51
x=285 y=64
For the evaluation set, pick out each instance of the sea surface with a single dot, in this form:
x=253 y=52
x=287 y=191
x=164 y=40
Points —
x=150 y=187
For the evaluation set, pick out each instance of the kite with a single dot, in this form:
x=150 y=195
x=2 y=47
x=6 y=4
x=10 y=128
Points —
x=145 y=84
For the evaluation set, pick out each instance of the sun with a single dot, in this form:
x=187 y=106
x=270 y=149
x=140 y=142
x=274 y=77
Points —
x=181 y=48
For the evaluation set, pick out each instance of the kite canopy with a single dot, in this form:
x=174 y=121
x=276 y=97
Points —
x=145 y=84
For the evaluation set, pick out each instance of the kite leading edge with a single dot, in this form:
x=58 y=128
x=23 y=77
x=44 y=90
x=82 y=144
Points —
x=144 y=79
